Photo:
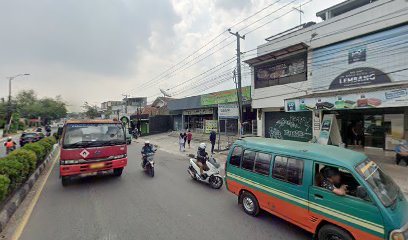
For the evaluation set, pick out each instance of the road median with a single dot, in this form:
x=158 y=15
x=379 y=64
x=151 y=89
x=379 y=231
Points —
x=13 y=202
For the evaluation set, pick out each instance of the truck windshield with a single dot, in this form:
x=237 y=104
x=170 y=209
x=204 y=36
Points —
x=93 y=135
x=383 y=186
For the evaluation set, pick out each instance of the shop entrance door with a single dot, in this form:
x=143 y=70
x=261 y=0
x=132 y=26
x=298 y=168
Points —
x=374 y=131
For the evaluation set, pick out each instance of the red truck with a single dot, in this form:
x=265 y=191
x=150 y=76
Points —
x=91 y=146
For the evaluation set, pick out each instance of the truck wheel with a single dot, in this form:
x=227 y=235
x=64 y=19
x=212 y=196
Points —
x=65 y=181
x=331 y=232
x=249 y=204
x=117 y=172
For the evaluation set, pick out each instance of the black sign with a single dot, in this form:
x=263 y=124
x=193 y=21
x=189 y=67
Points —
x=357 y=55
x=357 y=77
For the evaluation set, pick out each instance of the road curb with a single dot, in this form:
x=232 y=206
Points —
x=11 y=206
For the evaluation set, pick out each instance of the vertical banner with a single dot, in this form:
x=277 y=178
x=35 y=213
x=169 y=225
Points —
x=330 y=132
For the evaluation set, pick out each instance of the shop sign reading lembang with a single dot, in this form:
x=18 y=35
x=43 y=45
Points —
x=201 y=111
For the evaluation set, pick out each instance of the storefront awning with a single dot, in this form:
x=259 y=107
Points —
x=277 y=54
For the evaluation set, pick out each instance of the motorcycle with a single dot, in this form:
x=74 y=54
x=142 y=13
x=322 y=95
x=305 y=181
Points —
x=48 y=134
x=212 y=170
x=9 y=150
x=149 y=166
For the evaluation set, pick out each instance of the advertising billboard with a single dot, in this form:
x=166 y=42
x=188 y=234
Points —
x=279 y=72
x=376 y=99
x=229 y=96
x=377 y=58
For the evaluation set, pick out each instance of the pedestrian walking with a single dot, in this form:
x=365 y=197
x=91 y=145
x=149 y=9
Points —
x=189 y=137
x=213 y=137
x=181 y=142
x=185 y=139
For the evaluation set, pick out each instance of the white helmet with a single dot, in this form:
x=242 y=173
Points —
x=202 y=146
x=147 y=142
x=9 y=138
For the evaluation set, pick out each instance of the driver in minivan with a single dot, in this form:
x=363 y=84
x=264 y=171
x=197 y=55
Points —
x=331 y=179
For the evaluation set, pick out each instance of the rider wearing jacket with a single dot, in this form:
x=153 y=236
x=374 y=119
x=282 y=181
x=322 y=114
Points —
x=10 y=145
x=147 y=148
x=202 y=156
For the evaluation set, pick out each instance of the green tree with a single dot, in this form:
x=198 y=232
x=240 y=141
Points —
x=91 y=111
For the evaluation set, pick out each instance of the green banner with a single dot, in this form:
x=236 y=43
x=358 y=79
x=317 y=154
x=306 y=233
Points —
x=229 y=96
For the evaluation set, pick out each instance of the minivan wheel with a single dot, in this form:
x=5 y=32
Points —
x=249 y=204
x=331 y=232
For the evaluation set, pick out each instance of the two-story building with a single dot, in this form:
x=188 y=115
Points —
x=353 y=64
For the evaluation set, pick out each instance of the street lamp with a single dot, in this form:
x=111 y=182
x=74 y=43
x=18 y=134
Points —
x=8 y=118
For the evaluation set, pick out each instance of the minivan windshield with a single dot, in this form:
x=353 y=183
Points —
x=93 y=135
x=382 y=185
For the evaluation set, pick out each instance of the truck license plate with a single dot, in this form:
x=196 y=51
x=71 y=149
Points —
x=97 y=165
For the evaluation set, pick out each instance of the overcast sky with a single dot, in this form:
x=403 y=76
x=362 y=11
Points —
x=97 y=50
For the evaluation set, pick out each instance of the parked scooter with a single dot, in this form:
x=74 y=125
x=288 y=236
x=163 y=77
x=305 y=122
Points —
x=212 y=170
x=135 y=133
x=149 y=167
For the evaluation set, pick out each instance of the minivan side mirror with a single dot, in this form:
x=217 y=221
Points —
x=362 y=193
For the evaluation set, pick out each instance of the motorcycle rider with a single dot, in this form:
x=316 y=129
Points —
x=202 y=156
x=147 y=148
x=10 y=145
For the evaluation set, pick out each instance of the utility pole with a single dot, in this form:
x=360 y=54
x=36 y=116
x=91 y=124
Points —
x=9 y=112
x=239 y=37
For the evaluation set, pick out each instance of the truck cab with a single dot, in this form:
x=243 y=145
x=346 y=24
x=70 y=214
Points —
x=92 y=146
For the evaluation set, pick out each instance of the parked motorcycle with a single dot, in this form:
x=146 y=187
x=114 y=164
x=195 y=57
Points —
x=149 y=166
x=212 y=170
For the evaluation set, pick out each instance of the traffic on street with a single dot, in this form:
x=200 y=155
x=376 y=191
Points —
x=135 y=206
x=204 y=119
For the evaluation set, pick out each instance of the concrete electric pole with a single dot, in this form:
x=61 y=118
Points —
x=239 y=80
x=126 y=102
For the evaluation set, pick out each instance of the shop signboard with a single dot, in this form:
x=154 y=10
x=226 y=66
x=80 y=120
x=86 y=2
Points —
x=374 y=59
x=230 y=110
x=283 y=71
x=375 y=99
x=210 y=125
x=201 y=111
x=229 y=96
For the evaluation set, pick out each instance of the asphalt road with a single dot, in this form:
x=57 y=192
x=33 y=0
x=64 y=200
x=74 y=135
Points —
x=135 y=206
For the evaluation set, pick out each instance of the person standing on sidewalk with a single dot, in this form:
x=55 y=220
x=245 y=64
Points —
x=185 y=139
x=189 y=137
x=181 y=142
x=213 y=137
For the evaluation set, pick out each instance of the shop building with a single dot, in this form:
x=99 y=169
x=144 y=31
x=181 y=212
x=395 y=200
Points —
x=349 y=59
x=202 y=113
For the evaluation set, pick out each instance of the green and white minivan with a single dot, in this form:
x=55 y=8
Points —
x=285 y=178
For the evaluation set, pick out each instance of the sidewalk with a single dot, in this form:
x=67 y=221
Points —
x=169 y=142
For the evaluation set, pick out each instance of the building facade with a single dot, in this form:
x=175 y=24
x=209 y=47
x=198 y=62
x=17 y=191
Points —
x=216 y=111
x=351 y=64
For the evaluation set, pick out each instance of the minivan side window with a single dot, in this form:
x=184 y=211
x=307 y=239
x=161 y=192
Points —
x=248 y=160
x=262 y=163
x=288 y=170
x=235 y=158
